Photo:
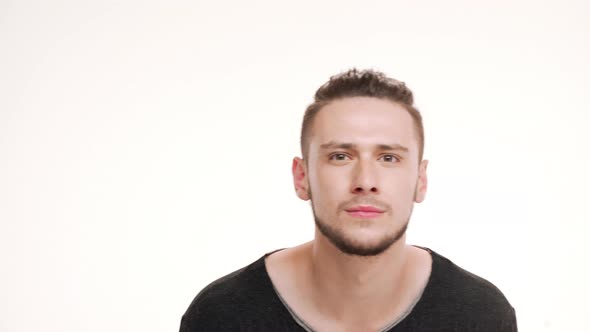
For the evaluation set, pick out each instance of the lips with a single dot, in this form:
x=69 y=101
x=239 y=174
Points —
x=364 y=211
x=364 y=208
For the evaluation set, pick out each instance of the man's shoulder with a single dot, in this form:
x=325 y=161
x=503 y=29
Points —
x=231 y=286
x=461 y=294
x=226 y=302
x=464 y=285
x=212 y=303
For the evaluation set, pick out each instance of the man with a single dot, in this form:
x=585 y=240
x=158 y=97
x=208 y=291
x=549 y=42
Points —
x=362 y=142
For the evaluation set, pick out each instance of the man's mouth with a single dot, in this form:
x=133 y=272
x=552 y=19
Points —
x=364 y=211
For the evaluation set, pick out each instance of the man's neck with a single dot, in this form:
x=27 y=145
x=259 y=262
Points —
x=346 y=286
x=331 y=291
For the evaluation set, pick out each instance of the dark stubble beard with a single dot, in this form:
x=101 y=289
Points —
x=348 y=245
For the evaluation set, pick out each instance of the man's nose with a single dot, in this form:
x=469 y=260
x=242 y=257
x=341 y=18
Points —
x=365 y=178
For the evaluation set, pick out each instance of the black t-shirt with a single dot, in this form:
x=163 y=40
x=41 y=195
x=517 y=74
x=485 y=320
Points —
x=453 y=300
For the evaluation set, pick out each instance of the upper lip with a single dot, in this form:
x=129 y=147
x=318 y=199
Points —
x=364 y=208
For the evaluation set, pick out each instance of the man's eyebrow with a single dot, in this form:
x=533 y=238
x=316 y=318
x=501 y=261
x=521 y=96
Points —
x=336 y=145
x=393 y=147
x=350 y=146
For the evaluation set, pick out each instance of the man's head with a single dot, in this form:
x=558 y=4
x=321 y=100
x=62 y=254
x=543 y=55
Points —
x=362 y=142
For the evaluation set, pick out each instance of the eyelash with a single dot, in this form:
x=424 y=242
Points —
x=398 y=159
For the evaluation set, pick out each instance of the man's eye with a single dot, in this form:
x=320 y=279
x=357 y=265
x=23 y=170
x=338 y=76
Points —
x=338 y=156
x=390 y=158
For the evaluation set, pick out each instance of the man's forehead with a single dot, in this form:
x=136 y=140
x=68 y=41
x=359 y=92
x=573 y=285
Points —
x=363 y=123
x=363 y=116
x=382 y=135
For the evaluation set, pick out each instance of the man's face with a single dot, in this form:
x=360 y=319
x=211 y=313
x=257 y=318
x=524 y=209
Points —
x=363 y=155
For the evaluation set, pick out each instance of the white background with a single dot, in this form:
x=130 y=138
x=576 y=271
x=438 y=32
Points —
x=145 y=148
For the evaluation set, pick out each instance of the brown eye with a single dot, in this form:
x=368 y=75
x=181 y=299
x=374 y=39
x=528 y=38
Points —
x=390 y=158
x=338 y=156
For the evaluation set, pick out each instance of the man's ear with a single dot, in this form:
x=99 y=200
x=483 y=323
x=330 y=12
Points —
x=300 y=178
x=422 y=182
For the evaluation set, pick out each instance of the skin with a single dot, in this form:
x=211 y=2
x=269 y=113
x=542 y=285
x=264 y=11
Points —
x=378 y=277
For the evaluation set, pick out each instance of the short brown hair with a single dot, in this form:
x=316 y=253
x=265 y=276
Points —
x=361 y=83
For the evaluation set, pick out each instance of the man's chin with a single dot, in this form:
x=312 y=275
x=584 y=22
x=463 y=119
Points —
x=362 y=249
x=363 y=243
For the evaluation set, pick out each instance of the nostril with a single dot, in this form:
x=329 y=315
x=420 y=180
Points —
x=360 y=190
